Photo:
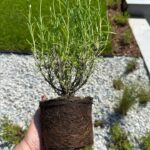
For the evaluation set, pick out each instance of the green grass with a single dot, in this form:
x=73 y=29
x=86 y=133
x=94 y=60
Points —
x=126 y=101
x=13 y=26
x=143 y=95
x=119 y=139
x=99 y=123
x=126 y=37
x=121 y=20
x=146 y=141
x=108 y=46
x=11 y=132
x=108 y=51
x=113 y=4
x=118 y=84
x=131 y=66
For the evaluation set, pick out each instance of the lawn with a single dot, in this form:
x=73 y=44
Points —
x=13 y=26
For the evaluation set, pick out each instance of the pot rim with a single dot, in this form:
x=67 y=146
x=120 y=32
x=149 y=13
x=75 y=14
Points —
x=66 y=100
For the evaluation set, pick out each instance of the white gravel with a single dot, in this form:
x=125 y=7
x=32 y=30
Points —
x=21 y=86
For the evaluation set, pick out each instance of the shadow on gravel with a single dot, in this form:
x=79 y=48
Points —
x=113 y=118
x=5 y=145
x=110 y=120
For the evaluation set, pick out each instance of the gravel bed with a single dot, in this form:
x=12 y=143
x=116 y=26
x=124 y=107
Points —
x=21 y=86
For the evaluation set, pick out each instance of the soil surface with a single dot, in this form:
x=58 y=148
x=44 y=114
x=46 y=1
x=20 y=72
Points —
x=119 y=48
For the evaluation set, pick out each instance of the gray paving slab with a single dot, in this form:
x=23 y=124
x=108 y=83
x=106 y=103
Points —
x=147 y=2
x=140 y=2
x=141 y=31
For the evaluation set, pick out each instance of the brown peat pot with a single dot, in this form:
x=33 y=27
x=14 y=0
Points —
x=67 y=123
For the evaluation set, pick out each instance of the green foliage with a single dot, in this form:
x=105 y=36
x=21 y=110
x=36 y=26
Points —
x=99 y=123
x=13 y=30
x=11 y=132
x=63 y=45
x=126 y=38
x=113 y=4
x=118 y=84
x=126 y=101
x=121 y=20
x=131 y=66
x=146 y=141
x=119 y=140
x=108 y=50
x=143 y=95
x=106 y=28
x=13 y=23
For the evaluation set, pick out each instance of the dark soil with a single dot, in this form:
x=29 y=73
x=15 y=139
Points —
x=67 y=123
x=120 y=49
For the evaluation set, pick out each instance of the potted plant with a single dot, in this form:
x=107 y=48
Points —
x=63 y=45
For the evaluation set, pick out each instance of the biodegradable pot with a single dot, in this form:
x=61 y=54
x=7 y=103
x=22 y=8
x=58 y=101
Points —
x=67 y=123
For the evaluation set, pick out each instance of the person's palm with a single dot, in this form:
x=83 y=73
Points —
x=33 y=138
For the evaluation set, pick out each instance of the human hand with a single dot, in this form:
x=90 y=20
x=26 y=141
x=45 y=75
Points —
x=32 y=139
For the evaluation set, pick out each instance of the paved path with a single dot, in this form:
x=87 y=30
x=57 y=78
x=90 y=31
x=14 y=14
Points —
x=140 y=26
x=141 y=31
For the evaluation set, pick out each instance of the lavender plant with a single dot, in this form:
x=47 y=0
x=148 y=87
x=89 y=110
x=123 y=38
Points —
x=64 y=42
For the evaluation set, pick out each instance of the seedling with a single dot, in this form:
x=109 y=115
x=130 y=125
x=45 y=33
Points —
x=126 y=101
x=11 y=132
x=99 y=123
x=119 y=139
x=108 y=51
x=120 y=20
x=143 y=95
x=131 y=66
x=113 y=4
x=126 y=38
x=118 y=84
x=64 y=48
x=146 y=141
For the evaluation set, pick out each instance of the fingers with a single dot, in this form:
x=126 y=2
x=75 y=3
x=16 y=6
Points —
x=44 y=98
x=33 y=136
x=32 y=139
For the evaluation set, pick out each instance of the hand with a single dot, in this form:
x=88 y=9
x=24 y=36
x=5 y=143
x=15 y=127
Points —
x=32 y=140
